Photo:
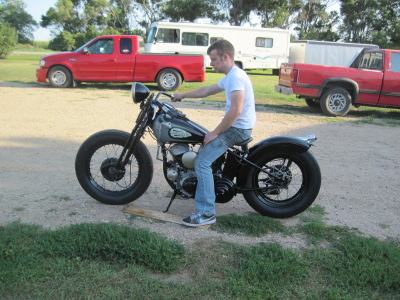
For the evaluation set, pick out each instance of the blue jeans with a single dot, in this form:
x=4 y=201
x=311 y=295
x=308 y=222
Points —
x=205 y=193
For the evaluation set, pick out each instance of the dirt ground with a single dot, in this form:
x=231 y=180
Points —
x=42 y=129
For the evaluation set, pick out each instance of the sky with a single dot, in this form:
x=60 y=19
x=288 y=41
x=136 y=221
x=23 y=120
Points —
x=36 y=9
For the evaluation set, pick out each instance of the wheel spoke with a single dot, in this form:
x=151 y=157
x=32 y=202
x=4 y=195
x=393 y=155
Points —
x=110 y=154
x=286 y=182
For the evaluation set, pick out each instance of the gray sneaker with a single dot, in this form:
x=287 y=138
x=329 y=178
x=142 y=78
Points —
x=197 y=219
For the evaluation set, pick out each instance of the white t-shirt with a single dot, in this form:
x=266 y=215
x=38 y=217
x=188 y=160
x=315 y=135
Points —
x=238 y=80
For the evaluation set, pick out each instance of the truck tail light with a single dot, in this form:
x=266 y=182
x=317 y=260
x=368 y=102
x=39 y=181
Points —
x=293 y=75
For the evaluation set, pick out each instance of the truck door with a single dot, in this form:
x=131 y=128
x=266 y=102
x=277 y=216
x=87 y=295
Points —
x=390 y=94
x=99 y=62
x=370 y=77
x=125 y=60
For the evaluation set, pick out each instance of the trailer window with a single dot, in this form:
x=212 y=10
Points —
x=264 y=42
x=214 y=39
x=372 y=60
x=167 y=35
x=395 y=62
x=194 y=39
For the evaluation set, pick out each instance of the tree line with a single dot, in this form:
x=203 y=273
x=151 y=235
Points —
x=74 y=22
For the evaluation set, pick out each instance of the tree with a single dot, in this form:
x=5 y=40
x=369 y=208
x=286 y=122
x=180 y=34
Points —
x=65 y=41
x=65 y=16
x=314 y=22
x=386 y=24
x=358 y=19
x=277 y=13
x=12 y=12
x=148 y=11
x=189 y=10
x=8 y=39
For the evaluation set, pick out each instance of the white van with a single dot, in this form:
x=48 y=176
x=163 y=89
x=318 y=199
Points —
x=255 y=48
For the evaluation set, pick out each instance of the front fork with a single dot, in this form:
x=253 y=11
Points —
x=130 y=146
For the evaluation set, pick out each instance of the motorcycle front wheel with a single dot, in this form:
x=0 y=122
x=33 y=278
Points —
x=292 y=189
x=94 y=167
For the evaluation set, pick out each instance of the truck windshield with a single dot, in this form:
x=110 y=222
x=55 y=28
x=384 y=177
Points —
x=152 y=35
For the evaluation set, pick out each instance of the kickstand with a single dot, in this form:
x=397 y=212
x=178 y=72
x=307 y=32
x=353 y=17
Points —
x=172 y=199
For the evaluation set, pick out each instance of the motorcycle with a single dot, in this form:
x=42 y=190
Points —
x=278 y=176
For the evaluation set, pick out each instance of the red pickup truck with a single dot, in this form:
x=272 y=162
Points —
x=119 y=59
x=373 y=79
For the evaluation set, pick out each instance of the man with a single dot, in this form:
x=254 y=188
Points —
x=235 y=127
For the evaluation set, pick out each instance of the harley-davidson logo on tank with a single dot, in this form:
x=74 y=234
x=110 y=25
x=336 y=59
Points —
x=179 y=133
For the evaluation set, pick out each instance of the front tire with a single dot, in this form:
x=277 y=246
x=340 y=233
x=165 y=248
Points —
x=336 y=102
x=94 y=167
x=169 y=80
x=295 y=190
x=60 y=77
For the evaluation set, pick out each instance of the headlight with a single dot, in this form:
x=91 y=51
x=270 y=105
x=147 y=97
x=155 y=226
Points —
x=139 y=92
x=42 y=63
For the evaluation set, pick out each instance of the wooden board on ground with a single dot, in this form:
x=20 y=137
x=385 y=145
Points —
x=158 y=215
x=154 y=214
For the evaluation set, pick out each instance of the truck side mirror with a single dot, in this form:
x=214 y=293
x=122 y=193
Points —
x=85 y=50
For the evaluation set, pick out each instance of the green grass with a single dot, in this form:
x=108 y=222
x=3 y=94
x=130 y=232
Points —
x=19 y=68
x=107 y=261
x=256 y=225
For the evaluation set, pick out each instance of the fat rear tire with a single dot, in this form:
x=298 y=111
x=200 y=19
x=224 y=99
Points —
x=93 y=165
x=302 y=181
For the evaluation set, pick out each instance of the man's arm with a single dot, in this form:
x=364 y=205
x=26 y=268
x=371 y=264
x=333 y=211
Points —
x=202 y=92
x=237 y=100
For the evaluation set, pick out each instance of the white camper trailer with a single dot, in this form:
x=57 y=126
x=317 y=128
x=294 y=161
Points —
x=333 y=54
x=255 y=48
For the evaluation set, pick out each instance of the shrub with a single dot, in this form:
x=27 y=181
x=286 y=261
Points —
x=65 y=41
x=8 y=40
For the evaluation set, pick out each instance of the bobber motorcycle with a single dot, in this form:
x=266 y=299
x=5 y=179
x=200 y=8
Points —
x=277 y=176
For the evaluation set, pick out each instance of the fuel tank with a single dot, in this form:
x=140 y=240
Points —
x=177 y=130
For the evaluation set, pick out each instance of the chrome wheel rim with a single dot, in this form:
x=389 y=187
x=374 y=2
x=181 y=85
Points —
x=169 y=80
x=59 y=77
x=337 y=102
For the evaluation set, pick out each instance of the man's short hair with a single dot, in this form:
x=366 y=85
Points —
x=222 y=47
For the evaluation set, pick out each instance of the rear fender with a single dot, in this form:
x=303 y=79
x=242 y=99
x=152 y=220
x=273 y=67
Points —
x=270 y=145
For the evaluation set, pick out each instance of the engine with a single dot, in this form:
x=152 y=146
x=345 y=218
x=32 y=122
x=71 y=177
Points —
x=181 y=172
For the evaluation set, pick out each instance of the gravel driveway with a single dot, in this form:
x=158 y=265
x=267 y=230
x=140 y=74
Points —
x=42 y=129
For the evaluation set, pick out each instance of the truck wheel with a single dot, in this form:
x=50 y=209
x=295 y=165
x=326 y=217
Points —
x=313 y=103
x=336 y=102
x=60 y=77
x=169 y=80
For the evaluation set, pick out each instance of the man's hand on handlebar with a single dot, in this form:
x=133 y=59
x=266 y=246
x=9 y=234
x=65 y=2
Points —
x=177 y=97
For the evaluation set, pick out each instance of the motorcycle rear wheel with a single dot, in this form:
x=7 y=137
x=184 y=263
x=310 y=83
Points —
x=299 y=184
x=94 y=168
